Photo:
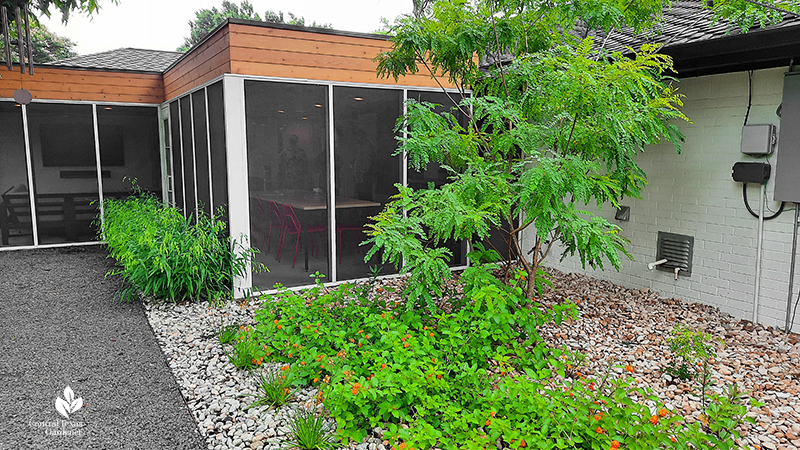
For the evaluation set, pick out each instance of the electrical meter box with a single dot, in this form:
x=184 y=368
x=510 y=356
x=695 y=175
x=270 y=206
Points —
x=787 y=163
x=758 y=140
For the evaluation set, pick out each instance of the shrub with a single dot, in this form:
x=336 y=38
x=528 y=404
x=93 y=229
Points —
x=161 y=253
x=465 y=378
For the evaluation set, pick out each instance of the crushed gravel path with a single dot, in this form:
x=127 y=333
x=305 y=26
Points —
x=62 y=326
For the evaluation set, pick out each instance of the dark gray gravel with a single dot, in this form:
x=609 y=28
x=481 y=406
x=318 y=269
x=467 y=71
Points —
x=62 y=326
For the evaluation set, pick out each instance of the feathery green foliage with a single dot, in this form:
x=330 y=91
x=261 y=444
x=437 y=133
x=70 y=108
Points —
x=550 y=132
x=161 y=253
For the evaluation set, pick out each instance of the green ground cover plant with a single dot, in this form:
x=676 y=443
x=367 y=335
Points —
x=468 y=375
x=161 y=253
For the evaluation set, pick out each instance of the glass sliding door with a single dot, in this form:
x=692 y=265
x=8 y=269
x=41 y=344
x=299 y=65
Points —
x=201 y=152
x=434 y=172
x=365 y=170
x=129 y=149
x=219 y=158
x=64 y=163
x=287 y=154
x=187 y=148
x=177 y=155
x=15 y=205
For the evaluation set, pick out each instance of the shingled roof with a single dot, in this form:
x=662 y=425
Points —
x=127 y=59
x=701 y=46
x=687 y=22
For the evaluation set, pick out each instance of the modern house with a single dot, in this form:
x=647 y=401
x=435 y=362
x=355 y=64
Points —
x=285 y=128
x=288 y=128
x=692 y=213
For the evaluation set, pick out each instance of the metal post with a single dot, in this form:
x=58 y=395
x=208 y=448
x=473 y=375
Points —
x=6 y=37
x=28 y=42
x=758 y=252
x=332 y=255
x=791 y=267
x=20 y=41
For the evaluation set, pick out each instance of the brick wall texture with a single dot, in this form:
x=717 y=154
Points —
x=692 y=193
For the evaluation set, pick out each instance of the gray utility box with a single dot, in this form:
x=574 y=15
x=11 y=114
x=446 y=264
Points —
x=787 y=165
x=758 y=140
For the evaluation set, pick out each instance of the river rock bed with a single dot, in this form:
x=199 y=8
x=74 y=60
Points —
x=626 y=325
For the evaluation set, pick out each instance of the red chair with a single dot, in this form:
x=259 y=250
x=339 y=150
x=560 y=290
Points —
x=278 y=221
x=348 y=227
x=294 y=226
x=258 y=215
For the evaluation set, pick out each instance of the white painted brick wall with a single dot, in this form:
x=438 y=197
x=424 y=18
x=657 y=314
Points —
x=693 y=193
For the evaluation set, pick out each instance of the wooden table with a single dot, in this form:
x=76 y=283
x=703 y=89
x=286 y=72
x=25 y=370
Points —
x=308 y=201
x=312 y=202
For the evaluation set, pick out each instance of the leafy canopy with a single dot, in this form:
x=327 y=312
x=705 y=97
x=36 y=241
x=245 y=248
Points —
x=553 y=124
x=207 y=19
x=44 y=7
x=47 y=46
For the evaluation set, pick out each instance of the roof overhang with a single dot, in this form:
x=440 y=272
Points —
x=758 y=49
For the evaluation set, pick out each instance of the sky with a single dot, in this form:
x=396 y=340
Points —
x=163 y=24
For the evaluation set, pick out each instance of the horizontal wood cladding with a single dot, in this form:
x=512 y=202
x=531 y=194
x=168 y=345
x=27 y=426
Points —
x=285 y=53
x=204 y=64
x=84 y=85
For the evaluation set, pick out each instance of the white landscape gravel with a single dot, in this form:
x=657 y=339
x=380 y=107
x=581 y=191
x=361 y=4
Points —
x=628 y=326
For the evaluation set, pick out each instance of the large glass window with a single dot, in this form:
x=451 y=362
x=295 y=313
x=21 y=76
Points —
x=128 y=149
x=65 y=172
x=219 y=157
x=187 y=148
x=177 y=156
x=201 y=152
x=365 y=170
x=434 y=172
x=15 y=205
x=287 y=154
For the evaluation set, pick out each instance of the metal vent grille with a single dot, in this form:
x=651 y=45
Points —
x=677 y=249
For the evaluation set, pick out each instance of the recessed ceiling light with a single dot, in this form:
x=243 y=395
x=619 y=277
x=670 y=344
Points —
x=358 y=99
x=318 y=105
x=17 y=104
x=305 y=118
x=281 y=111
x=108 y=108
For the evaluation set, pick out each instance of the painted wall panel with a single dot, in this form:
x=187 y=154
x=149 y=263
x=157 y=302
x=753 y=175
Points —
x=693 y=193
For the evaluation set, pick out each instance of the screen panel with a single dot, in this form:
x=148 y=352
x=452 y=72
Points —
x=15 y=204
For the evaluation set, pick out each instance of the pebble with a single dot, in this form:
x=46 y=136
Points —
x=625 y=325
x=765 y=362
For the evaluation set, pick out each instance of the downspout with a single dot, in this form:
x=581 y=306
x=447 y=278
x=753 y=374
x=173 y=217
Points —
x=791 y=267
x=758 y=252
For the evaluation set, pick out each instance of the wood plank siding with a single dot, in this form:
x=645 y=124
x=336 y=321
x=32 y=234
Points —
x=206 y=62
x=236 y=48
x=279 y=52
x=84 y=85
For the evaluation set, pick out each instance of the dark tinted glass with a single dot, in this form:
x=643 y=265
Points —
x=132 y=133
x=177 y=156
x=15 y=205
x=287 y=153
x=365 y=170
x=219 y=164
x=201 y=152
x=187 y=148
x=66 y=196
x=434 y=173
